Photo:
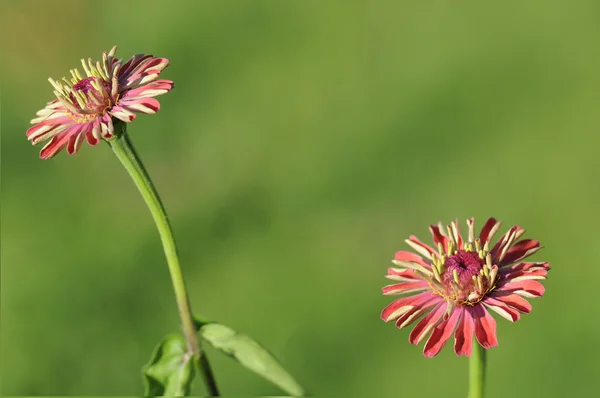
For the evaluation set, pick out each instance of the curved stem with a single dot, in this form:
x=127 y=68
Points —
x=123 y=148
x=477 y=371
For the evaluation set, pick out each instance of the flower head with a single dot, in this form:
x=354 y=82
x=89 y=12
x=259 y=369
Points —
x=86 y=105
x=458 y=280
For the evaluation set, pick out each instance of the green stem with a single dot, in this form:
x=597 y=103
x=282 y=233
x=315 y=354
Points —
x=123 y=148
x=477 y=371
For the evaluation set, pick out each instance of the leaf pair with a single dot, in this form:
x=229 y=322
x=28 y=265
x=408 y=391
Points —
x=171 y=369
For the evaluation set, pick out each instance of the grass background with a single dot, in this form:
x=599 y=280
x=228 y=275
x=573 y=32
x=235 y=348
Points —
x=303 y=142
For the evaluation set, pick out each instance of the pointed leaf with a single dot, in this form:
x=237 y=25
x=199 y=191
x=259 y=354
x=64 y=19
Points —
x=251 y=355
x=170 y=370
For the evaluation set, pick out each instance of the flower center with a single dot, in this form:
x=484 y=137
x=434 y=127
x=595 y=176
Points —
x=462 y=278
x=91 y=95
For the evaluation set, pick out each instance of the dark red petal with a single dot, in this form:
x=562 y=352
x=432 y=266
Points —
x=427 y=323
x=77 y=137
x=438 y=237
x=485 y=326
x=441 y=334
x=90 y=136
x=463 y=342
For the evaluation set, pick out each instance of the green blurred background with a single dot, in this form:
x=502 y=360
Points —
x=303 y=142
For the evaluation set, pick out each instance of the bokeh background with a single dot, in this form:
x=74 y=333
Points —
x=303 y=142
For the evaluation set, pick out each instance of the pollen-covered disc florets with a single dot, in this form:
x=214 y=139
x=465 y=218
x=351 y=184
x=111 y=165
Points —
x=458 y=280
x=87 y=103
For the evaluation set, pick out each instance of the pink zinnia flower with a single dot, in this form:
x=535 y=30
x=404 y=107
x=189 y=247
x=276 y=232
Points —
x=458 y=280
x=86 y=105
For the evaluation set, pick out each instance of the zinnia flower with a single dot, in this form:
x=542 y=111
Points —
x=458 y=281
x=86 y=106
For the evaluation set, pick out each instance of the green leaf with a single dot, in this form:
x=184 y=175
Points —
x=250 y=354
x=170 y=370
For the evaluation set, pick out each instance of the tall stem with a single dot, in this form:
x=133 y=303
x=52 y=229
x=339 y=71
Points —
x=477 y=371
x=123 y=148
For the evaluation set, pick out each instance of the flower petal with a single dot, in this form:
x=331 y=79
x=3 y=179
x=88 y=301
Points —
x=463 y=338
x=438 y=236
x=406 y=287
x=144 y=105
x=524 y=268
x=411 y=257
x=420 y=247
x=56 y=144
x=514 y=300
x=398 y=274
x=526 y=288
x=403 y=305
x=157 y=87
x=415 y=313
x=76 y=139
x=441 y=334
x=485 y=326
x=520 y=250
x=427 y=323
x=48 y=128
x=502 y=309
x=122 y=114
x=489 y=230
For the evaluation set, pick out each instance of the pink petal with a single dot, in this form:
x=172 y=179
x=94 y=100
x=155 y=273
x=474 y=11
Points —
x=520 y=250
x=523 y=275
x=421 y=247
x=524 y=267
x=427 y=323
x=406 y=287
x=403 y=305
x=144 y=105
x=502 y=309
x=106 y=126
x=489 y=230
x=525 y=288
x=410 y=257
x=49 y=128
x=441 y=334
x=504 y=241
x=122 y=114
x=401 y=274
x=515 y=301
x=485 y=326
x=157 y=87
x=416 y=312
x=463 y=339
